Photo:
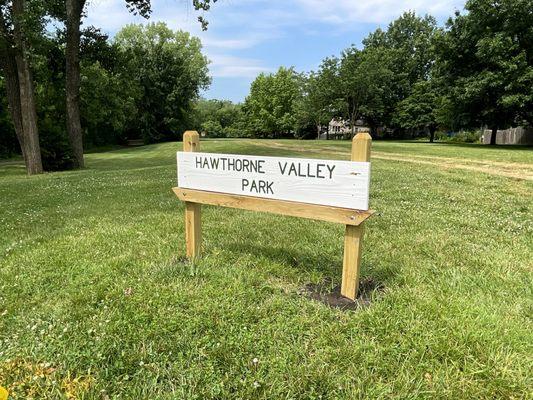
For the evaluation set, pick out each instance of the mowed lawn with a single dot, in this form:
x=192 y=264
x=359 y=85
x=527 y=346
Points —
x=98 y=302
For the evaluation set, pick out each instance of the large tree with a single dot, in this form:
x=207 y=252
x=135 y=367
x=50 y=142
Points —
x=269 y=108
x=315 y=106
x=486 y=60
x=73 y=17
x=170 y=70
x=365 y=84
x=421 y=109
x=17 y=24
x=73 y=13
x=408 y=40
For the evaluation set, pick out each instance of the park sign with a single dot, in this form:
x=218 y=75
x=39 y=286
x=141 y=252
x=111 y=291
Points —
x=328 y=190
x=325 y=182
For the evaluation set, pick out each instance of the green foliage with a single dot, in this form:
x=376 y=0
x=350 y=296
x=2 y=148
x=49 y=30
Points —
x=314 y=108
x=486 y=62
x=218 y=118
x=409 y=40
x=269 y=108
x=107 y=104
x=170 y=71
x=420 y=111
x=463 y=136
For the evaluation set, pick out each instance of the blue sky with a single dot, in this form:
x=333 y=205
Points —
x=246 y=37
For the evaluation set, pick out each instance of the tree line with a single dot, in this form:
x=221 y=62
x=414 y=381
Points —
x=474 y=72
x=70 y=88
x=65 y=89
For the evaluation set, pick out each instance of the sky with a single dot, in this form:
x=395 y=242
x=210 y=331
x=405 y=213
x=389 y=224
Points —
x=247 y=37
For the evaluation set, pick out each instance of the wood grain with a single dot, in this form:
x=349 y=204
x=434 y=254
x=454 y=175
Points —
x=311 y=211
x=193 y=211
x=353 y=236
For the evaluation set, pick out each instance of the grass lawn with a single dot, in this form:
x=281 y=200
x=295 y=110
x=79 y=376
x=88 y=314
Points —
x=97 y=302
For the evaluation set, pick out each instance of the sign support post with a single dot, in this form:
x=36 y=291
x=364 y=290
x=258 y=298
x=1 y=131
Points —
x=193 y=211
x=344 y=201
x=353 y=235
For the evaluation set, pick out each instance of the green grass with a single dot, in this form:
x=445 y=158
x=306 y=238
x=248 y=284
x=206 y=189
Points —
x=97 y=302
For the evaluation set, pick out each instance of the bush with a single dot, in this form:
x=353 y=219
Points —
x=459 y=137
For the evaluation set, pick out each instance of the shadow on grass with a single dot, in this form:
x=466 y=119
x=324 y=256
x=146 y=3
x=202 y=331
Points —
x=301 y=260
x=328 y=291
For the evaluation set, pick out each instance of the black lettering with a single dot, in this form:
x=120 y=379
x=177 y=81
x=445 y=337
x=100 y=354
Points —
x=205 y=163
x=269 y=187
x=300 y=171
x=244 y=183
x=292 y=169
x=260 y=166
x=282 y=169
x=253 y=187
x=331 y=168
x=319 y=171
x=214 y=163
x=198 y=162
x=246 y=165
x=309 y=171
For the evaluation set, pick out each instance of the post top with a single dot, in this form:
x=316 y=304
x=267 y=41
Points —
x=362 y=136
x=190 y=133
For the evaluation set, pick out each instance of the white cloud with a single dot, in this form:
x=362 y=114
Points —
x=230 y=66
x=238 y=28
x=373 y=11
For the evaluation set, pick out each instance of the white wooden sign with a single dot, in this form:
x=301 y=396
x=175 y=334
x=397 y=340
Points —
x=326 y=182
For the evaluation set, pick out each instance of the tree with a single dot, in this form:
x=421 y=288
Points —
x=216 y=118
x=74 y=10
x=17 y=23
x=269 y=108
x=364 y=84
x=486 y=59
x=314 y=107
x=170 y=70
x=421 y=109
x=74 y=13
x=409 y=43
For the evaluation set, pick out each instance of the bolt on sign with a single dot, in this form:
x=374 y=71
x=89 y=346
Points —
x=329 y=190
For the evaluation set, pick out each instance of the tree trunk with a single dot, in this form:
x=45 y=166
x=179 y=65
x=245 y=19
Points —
x=28 y=115
x=432 y=134
x=493 y=135
x=75 y=135
x=9 y=68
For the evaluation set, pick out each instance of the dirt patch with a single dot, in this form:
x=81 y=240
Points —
x=330 y=295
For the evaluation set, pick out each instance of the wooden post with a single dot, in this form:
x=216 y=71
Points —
x=193 y=211
x=353 y=235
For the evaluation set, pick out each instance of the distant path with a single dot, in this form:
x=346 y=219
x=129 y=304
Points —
x=513 y=170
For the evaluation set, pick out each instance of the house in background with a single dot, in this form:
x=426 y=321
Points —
x=518 y=136
x=340 y=129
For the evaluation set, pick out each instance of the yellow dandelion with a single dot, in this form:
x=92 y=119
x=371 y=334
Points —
x=3 y=393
